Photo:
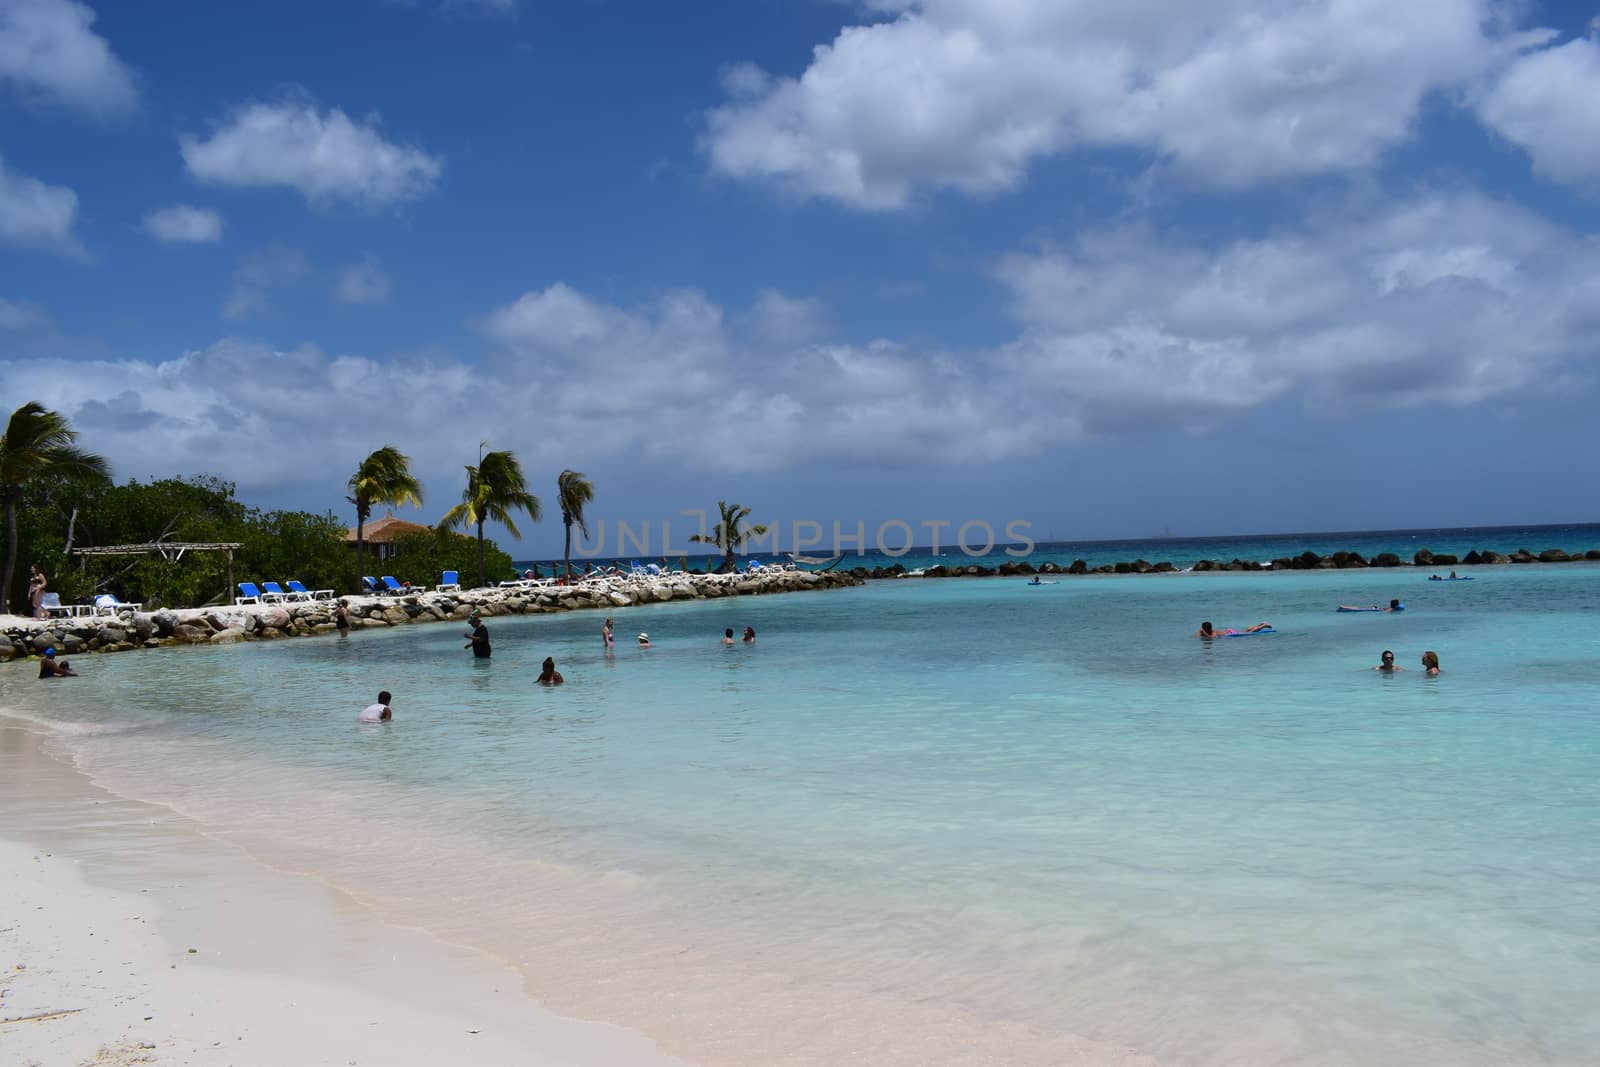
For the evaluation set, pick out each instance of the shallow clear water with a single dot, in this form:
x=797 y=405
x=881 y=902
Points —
x=1029 y=811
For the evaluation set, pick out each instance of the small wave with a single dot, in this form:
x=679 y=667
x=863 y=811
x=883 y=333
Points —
x=79 y=728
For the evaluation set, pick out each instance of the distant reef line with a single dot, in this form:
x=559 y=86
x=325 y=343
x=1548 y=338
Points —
x=226 y=625
x=1305 y=561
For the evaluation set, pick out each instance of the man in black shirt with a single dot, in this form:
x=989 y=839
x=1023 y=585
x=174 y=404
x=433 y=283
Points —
x=478 y=640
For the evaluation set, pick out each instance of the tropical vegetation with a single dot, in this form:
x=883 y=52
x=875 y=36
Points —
x=730 y=533
x=496 y=490
x=384 y=477
x=39 y=446
x=573 y=491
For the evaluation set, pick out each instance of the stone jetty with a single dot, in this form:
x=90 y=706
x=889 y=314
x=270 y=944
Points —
x=265 y=622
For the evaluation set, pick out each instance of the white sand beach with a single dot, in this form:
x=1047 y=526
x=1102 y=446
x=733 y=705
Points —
x=129 y=938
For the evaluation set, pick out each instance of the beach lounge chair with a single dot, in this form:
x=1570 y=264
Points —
x=108 y=604
x=275 y=593
x=297 y=586
x=52 y=605
x=450 y=582
x=371 y=585
x=392 y=587
x=249 y=594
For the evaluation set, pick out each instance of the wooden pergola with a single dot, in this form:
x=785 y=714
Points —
x=172 y=551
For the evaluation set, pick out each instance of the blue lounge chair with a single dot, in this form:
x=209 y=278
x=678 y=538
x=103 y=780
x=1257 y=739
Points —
x=297 y=586
x=392 y=586
x=251 y=595
x=371 y=585
x=449 y=581
x=273 y=593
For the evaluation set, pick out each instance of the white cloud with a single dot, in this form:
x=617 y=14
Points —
x=48 y=49
x=967 y=94
x=20 y=317
x=324 y=155
x=1548 y=103
x=258 y=274
x=1445 y=299
x=184 y=224
x=36 y=215
x=363 y=283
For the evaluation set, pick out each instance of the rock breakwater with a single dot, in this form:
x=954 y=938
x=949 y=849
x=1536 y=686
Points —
x=266 y=622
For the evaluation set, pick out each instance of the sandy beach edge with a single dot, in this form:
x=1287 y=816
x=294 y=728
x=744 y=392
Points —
x=131 y=937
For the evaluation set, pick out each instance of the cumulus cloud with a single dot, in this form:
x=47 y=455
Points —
x=1443 y=299
x=258 y=274
x=1548 y=104
x=49 y=50
x=1447 y=298
x=324 y=155
x=363 y=283
x=36 y=215
x=967 y=94
x=184 y=224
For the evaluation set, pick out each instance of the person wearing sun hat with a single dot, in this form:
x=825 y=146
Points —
x=644 y=640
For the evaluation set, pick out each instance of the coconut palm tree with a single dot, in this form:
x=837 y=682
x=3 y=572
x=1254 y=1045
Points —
x=37 y=443
x=573 y=490
x=495 y=489
x=730 y=533
x=384 y=477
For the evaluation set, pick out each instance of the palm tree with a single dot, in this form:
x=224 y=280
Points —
x=730 y=533
x=383 y=478
x=573 y=490
x=495 y=489
x=37 y=442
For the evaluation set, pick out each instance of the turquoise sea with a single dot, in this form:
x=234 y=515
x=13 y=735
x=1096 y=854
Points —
x=1181 y=552
x=948 y=821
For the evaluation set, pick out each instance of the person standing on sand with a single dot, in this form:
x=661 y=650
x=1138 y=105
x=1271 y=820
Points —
x=341 y=619
x=478 y=640
x=36 y=588
x=379 y=712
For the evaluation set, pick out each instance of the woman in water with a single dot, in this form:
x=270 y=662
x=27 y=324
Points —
x=1430 y=664
x=749 y=635
x=1206 y=630
x=551 y=676
x=605 y=635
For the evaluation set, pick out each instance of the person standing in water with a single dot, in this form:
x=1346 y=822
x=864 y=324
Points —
x=1430 y=664
x=749 y=635
x=341 y=619
x=478 y=640
x=727 y=636
x=550 y=676
x=1386 y=663
x=605 y=635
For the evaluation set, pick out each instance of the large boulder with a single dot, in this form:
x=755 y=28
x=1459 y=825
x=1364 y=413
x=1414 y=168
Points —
x=166 y=621
x=230 y=636
x=1386 y=559
x=1554 y=555
x=275 y=617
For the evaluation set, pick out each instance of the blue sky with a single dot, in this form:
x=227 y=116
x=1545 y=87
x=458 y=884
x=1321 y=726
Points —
x=1109 y=270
